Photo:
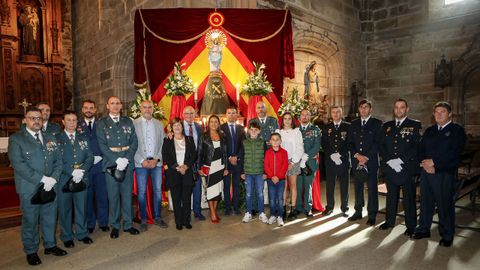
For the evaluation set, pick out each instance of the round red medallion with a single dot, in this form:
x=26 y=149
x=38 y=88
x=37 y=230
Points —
x=216 y=19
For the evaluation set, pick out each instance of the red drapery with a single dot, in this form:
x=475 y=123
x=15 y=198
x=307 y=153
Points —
x=160 y=36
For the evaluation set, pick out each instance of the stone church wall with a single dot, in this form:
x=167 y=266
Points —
x=404 y=39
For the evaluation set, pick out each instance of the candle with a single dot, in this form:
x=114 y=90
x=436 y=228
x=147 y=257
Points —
x=195 y=92
x=238 y=93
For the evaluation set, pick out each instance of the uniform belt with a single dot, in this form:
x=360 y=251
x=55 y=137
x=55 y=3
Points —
x=77 y=166
x=119 y=149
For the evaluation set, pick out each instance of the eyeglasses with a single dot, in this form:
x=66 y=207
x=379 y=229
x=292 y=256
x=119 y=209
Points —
x=34 y=118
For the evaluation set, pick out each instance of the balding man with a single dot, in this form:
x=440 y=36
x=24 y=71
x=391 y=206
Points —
x=195 y=131
x=148 y=162
x=118 y=142
x=267 y=123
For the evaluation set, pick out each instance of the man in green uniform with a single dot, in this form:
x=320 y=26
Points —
x=35 y=159
x=311 y=143
x=77 y=159
x=47 y=126
x=118 y=142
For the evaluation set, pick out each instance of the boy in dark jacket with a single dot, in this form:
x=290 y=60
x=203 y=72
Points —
x=275 y=166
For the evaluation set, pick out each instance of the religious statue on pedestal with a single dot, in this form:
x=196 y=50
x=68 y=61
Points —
x=30 y=31
x=311 y=83
x=215 y=100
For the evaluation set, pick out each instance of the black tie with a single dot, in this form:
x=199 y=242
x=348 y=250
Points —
x=398 y=124
x=364 y=122
x=232 y=132
x=37 y=138
x=263 y=122
x=90 y=125
x=336 y=126
x=440 y=128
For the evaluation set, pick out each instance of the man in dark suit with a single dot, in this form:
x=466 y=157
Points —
x=398 y=149
x=77 y=159
x=364 y=141
x=36 y=160
x=118 y=142
x=440 y=150
x=48 y=126
x=235 y=134
x=337 y=159
x=97 y=198
x=195 y=131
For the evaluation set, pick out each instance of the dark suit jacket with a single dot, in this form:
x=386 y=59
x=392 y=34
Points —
x=401 y=142
x=334 y=141
x=444 y=147
x=174 y=178
x=365 y=140
x=83 y=129
x=240 y=136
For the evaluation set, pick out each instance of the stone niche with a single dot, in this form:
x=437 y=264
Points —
x=31 y=65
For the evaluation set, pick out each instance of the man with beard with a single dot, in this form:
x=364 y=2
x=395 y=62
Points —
x=97 y=199
x=47 y=125
x=398 y=149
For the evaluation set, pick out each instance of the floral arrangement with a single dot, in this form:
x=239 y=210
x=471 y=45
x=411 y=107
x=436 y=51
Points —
x=294 y=104
x=257 y=83
x=179 y=83
x=142 y=95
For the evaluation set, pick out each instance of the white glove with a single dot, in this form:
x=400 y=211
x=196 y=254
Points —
x=303 y=161
x=395 y=164
x=78 y=175
x=48 y=182
x=97 y=159
x=122 y=163
x=335 y=157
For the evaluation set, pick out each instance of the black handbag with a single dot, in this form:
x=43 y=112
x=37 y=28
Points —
x=42 y=196
x=73 y=187
x=118 y=175
x=307 y=171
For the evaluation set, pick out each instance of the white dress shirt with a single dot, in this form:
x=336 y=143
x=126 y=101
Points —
x=292 y=142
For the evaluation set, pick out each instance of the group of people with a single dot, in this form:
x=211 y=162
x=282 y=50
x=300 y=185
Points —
x=215 y=161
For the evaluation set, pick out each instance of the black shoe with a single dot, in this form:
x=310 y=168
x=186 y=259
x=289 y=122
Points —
x=69 y=244
x=384 y=226
x=114 y=233
x=104 y=228
x=445 y=243
x=344 y=214
x=355 y=216
x=90 y=230
x=33 y=259
x=371 y=222
x=327 y=212
x=55 y=251
x=179 y=227
x=162 y=224
x=132 y=231
x=309 y=214
x=420 y=235
x=188 y=226
x=86 y=240
x=408 y=233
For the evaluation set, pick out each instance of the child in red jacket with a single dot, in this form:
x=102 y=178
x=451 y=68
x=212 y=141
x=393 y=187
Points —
x=276 y=165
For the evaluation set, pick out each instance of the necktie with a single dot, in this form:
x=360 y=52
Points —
x=232 y=132
x=263 y=121
x=398 y=124
x=90 y=125
x=364 y=122
x=190 y=130
x=72 y=138
x=440 y=128
x=336 y=126
x=37 y=138
x=44 y=128
x=115 y=119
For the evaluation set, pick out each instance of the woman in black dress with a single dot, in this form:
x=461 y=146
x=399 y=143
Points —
x=213 y=157
x=179 y=154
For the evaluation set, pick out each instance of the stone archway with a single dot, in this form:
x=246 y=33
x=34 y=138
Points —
x=319 y=47
x=464 y=93
x=123 y=85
